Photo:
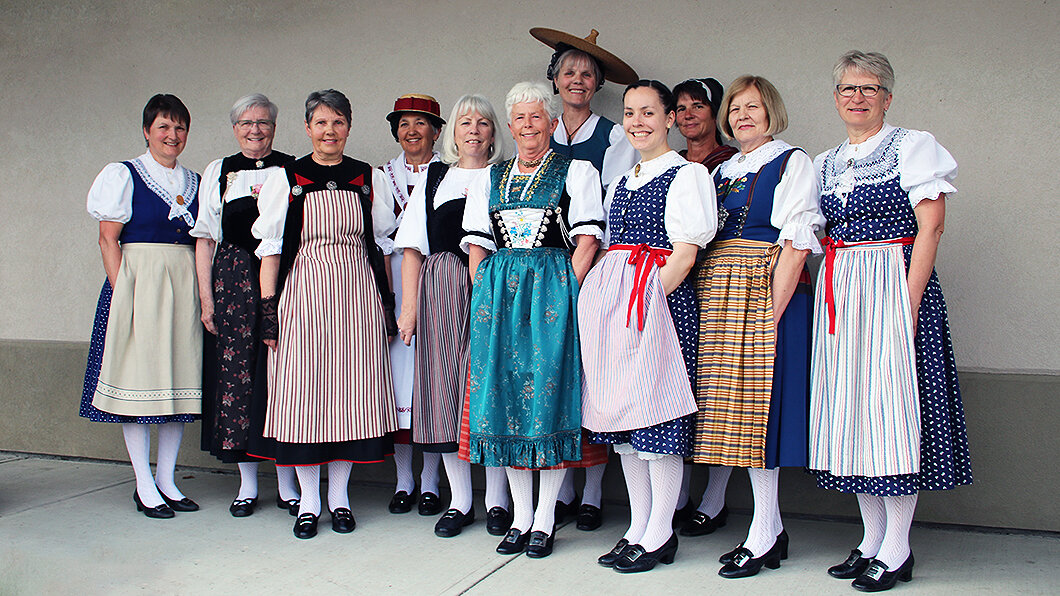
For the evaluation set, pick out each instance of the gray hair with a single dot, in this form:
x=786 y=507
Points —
x=575 y=54
x=332 y=99
x=531 y=92
x=872 y=63
x=469 y=104
x=254 y=100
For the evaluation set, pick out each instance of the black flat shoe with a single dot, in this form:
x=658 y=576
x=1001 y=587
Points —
x=565 y=510
x=877 y=578
x=305 y=526
x=160 y=512
x=540 y=544
x=700 y=524
x=782 y=538
x=243 y=507
x=402 y=502
x=608 y=559
x=590 y=517
x=453 y=522
x=184 y=504
x=683 y=514
x=854 y=566
x=498 y=520
x=514 y=542
x=342 y=521
x=291 y=505
x=745 y=564
x=430 y=504
x=635 y=560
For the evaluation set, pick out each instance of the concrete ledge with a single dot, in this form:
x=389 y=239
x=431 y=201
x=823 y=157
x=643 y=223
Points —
x=1011 y=420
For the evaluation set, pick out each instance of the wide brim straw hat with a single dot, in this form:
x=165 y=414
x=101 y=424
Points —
x=418 y=103
x=615 y=70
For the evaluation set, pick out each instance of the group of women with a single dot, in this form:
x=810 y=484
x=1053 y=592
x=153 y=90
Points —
x=596 y=289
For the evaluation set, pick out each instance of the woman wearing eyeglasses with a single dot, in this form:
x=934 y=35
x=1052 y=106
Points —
x=228 y=291
x=886 y=419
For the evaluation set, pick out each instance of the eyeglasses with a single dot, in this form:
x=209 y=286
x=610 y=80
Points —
x=866 y=90
x=248 y=124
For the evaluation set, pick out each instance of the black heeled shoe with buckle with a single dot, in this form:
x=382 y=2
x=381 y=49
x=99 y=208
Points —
x=514 y=542
x=184 y=505
x=160 y=512
x=565 y=510
x=402 y=502
x=342 y=521
x=291 y=505
x=590 y=517
x=782 y=538
x=634 y=559
x=539 y=545
x=430 y=504
x=701 y=524
x=453 y=522
x=243 y=507
x=745 y=564
x=498 y=520
x=878 y=578
x=305 y=526
x=854 y=566
x=608 y=559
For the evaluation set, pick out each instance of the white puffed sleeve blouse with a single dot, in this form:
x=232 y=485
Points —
x=925 y=168
x=110 y=197
x=412 y=233
x=582 y=184
x=691 y=212
x=272 y=207
x=796 y=199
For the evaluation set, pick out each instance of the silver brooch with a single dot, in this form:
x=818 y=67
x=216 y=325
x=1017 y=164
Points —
x=366 y=190
x=296 y=190
x=259 y=164
x=332 y=185
x=742 y=159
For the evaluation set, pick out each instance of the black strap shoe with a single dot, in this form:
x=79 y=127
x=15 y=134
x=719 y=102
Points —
x=453 y=522
x=402 y=502
x=590 y=517
x=342 y=521
x=498 y=520
x=878 y=578
x=854 y=566
x=430 y=504
x=305 y=526
x=514 y=542
x=243 y=507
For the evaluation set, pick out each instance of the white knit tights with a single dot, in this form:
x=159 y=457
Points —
x=459 y=473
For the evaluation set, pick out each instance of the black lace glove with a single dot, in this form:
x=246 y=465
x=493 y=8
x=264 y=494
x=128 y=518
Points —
x=390 y=321
x=270 y=322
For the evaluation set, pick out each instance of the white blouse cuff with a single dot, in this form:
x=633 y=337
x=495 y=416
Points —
x=930 y=190
x=267 y=248
x=587 y=230
x=385 y=244
x=700 y=240
x=801 y=236
x=467 y=241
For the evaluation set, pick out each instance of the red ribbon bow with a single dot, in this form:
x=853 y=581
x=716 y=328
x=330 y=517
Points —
x=643 y=258
x=830 y=247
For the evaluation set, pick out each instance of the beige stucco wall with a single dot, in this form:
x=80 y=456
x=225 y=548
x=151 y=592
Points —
x=982 y=76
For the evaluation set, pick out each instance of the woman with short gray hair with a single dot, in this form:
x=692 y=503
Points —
x=521 y=224
x=234 y=393
x=886 y=419
x=327 y=312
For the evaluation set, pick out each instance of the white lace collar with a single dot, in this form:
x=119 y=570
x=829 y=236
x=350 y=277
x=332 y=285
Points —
x=165 y=181
x=753 y=161
x=865 y=148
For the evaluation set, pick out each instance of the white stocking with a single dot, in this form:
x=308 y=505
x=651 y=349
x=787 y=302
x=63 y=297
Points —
x=665 y=474
x=429 y=473
x=287 y=483
x=169 y=436
x=309 y=483
x=339 y=485
x=594 y=485
x=895 y=548
x=248 y=480
x=403 y=464
x=138 y=443
x=459 y=473
x=566 y=490
x=638 y=484
x=522 y=485
x=545 y=516
x=714 y=496
x=497 y=488
x=686 y=481
x=874 y=520
x=764 y=485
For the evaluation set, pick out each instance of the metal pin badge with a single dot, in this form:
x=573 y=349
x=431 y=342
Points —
x=296 y=190
x=259 y=164
x=332 y=185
